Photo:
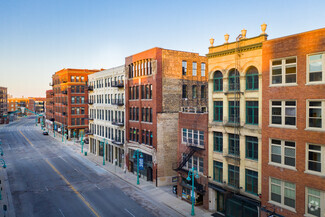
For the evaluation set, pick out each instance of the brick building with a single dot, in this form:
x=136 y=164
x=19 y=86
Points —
x=235 y=122
x=156 y=90
x=15 y=104
x=3 y=105
x=293 y=132
x=39 y=104
x=71 y=100
x=193 y=152
x=49 y=109
x=106 y=115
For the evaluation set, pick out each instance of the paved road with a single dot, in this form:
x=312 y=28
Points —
x=48 y=179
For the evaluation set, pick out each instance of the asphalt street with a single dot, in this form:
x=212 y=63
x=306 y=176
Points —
x=48 y=179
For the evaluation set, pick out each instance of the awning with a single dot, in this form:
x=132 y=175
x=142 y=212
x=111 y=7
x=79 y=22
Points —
x=216 y=187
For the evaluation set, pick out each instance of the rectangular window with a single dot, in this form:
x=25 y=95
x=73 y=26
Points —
x=194 y=91
x=184 y=136
x=202 y=69
x=218 y=171
x=233 y=176
x=252 y=147
x=233 y=144
x=201 y=167
x=251 y=184
x=283 y=152
x=194 y=65
x=283 y=193
x=316 y=68
x=184 y=91
x=217 y=142
x=218 y=111
x=252 y=112
x=315 y=158
x=234 y=116
x=315 y=112
x=283 y=113
x=184 y=67
x=284 y=71
x=315 y=202
x=203 y=91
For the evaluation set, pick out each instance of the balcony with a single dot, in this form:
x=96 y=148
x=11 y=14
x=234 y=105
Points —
x=51 y=84
x=195 y=145
x=117 y=141
x=64 y=113
x=65 y=103
x=119 y=83
x=90 y=102
x=89 y=133
x=118 y=102
x=90 y=88
x=117 y=122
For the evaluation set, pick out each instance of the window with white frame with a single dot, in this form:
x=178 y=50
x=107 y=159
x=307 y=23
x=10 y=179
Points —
x=283 y=193
x=315 y=158
x=284 y=71
x=315 y=202
x=202 y=69
x=316 y=68
x=283 y=113
x=193 y=137
x=315 y=114
x=283 y=152
x=196 y=162
x=194 y=68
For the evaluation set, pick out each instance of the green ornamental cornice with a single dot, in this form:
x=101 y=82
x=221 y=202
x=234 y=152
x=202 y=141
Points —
x=233 y=50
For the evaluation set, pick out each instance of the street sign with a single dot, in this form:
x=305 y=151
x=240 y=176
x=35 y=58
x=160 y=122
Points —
x=141 y=164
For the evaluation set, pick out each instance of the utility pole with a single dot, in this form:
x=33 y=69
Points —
x=193 y=172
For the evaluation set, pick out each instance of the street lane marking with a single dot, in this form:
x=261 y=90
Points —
x=66 y=181
x=129 y=212
x=61 y=212
x=26 y=139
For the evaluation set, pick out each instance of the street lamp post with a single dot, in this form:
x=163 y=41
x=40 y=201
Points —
x=54 y=129
x=36 y=120
x=136 y=154
x=62 y=132
x=74 y=136
x=191 y=174
x=82 y=143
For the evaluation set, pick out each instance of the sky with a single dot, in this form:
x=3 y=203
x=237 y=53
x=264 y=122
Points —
x=40 y=37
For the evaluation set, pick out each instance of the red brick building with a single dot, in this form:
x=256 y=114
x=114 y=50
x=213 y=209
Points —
x=293 y=130
x=71 y=100
x=193 y=152
x=49 y=109
x=158 y=85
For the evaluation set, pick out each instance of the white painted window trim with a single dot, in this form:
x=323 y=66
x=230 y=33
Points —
x=322 y=151
x=282 y=154
x=321 y=205
x=307 y=69
x=282 y=195
x=283 y=107
x=283 y=70
x=322 y=114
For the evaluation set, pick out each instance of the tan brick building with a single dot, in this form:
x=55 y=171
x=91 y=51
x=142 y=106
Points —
x=293 y=130
x=235 y=122
x=3 y=105
x=49 y=109
x=159 y=84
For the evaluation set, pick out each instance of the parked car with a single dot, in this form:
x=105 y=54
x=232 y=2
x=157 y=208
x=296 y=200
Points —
x=86 y=141
x=45 y=133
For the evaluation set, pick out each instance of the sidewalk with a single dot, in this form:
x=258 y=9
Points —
x=161 y=194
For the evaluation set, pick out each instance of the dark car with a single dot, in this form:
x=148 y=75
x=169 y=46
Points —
x=86 y=141
x=45 y=133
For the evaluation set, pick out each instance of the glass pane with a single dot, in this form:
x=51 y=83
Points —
x=315 y=112
x=315 y=76
x=315 y=147
x=276 y=62
x=276 y=103
x=291 y=60
x=314 y=122
x=291 y=144
x=290 y=152
x=276 y=79
x=290 y=111
x=289 y=202
x=314 y=166
x=275 y=141
x=276 y=149
x=276 y=71
x=291 y=78
x=276 y=158
x=276 y=111
x=290 y=121
x=315 y=103
x=276 y=119
x=289 y=161
x=290 y=103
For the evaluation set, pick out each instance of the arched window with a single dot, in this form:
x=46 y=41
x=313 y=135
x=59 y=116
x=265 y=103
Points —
x=252 y=78
x=234 y=80
x=217 y=81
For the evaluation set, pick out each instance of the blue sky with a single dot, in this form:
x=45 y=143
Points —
x=40 y=37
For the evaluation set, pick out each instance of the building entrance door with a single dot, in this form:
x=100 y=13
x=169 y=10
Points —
x=149 y=174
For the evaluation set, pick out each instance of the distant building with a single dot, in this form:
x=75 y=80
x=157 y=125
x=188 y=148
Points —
x=159 y=85
x=293 y=135
x=3 y=105
x=71 y=101
x=49 y=109
x=39 y=104
x=106 y=114
x=15 y=104
x=235 y=124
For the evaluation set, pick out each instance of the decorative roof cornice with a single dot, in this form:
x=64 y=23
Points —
x=233 y=50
